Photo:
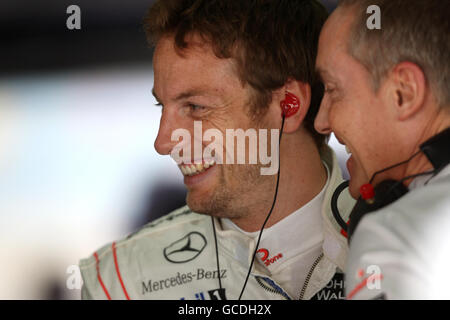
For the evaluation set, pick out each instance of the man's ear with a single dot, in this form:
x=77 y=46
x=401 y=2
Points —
x=408 y=89
x=302 y=91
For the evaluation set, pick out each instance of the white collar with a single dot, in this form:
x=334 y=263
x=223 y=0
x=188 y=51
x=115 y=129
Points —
x=297 y=234
x=424 y=180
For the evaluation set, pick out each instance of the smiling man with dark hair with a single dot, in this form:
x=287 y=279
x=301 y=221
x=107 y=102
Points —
x=223 y=65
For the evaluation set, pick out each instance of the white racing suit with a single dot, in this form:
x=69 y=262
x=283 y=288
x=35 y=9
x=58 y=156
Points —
x=403 y=250
x=174 y=258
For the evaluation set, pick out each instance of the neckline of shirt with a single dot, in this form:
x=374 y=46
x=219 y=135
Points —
x=424 y=180
x=297 y=234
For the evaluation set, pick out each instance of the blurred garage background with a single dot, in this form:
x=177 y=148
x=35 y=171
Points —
x=77 y=126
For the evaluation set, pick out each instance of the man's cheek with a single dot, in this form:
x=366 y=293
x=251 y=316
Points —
x=360 y=173
x=355 y=182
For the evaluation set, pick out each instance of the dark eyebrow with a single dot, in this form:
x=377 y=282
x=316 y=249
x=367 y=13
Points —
x=188 y=94
x=183 y=95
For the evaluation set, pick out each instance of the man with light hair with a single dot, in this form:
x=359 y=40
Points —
x=387 y=98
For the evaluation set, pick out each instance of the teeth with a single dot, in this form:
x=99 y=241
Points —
x=348 y=150
x=193 y=169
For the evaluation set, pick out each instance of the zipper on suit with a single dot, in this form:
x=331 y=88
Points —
x=269 y=288
x=308 y=277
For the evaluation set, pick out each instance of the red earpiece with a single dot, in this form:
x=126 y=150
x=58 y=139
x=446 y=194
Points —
x=290 y=105
x=367 y=193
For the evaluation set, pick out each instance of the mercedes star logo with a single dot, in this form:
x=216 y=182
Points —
x=186 y=249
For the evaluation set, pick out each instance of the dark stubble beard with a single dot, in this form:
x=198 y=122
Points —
x=240 y=190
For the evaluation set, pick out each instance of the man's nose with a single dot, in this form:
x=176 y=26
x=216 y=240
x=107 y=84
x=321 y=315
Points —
x=322 y=124
x=163 y=142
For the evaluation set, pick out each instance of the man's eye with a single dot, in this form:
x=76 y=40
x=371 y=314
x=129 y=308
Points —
x=195 y=107
x=329 y=89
